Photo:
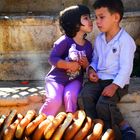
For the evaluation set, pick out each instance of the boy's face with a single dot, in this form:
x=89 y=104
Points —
x=105 y=20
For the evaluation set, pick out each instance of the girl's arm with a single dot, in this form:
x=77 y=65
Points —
x=86 y=60
x=58 y=55
x=70 y=66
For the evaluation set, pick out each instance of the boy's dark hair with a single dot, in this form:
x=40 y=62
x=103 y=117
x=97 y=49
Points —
x=70 y=19
x=114 y=6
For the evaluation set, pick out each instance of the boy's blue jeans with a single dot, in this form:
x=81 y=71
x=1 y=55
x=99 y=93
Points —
x=98 y=106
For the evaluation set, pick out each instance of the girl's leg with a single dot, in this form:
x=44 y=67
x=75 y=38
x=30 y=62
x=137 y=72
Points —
x=70 y=95
x=54 y=95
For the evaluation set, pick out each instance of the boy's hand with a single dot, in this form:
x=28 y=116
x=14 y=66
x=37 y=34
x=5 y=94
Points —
x=84 y=62
x=110 y=90
x=92 y=75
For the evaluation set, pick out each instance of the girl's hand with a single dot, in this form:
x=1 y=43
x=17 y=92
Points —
x=84 y=62
x=73 y=66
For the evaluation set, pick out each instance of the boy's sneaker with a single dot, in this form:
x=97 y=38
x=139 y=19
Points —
x=128 y=134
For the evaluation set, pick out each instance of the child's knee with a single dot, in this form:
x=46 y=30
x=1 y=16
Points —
x=55 y=102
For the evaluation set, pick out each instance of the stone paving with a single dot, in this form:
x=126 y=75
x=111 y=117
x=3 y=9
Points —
x=21 y=95
x=21 y=89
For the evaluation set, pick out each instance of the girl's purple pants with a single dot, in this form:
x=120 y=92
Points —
x=58 y=94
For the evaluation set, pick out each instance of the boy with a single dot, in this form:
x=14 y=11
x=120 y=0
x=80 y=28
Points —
x=110 y=69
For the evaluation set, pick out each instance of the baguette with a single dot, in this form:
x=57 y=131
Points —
x=83 y=132
x=10 y=130
x=97 y=130
x=23 y=123
x=108 y=135
x=54 y=124
x=61 y=129
x=78 y=119
x=32 y=125
x=38 y=134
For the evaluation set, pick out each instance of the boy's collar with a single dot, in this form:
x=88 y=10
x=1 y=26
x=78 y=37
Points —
x=116 y=37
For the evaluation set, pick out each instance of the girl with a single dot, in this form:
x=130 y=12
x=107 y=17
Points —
x=75 y=22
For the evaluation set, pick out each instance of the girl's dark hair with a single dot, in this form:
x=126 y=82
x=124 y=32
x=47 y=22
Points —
x=70 y=19
x=114 y=6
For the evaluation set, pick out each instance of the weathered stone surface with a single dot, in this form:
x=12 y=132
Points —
x=27 y=6
x=53 y=6
x=27 y=34
x=131 y=22
x=25 y=43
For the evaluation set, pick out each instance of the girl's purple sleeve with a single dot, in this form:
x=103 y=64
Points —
x=57 y=52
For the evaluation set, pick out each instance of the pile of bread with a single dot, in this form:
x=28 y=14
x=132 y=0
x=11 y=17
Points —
x=66 y=126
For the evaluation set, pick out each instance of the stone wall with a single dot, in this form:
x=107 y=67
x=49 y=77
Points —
x=28 y=29
x=26 y=40
x=53 y=6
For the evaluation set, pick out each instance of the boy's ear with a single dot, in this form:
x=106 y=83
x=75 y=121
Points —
x=117 y=17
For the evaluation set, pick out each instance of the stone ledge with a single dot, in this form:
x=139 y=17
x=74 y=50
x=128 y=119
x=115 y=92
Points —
x=21 y=105
x=130 y=108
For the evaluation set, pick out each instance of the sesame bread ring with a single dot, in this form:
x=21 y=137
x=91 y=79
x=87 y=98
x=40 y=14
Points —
x=9 y=119
x=38 y=133
x=2 y=119
x=97 y=130
x=54 y=124
x=24 y=122
x=78 y=119
x=83 y=132
x=32 y=125
x=61 y=129
x=108 y=135
x=10 y=130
